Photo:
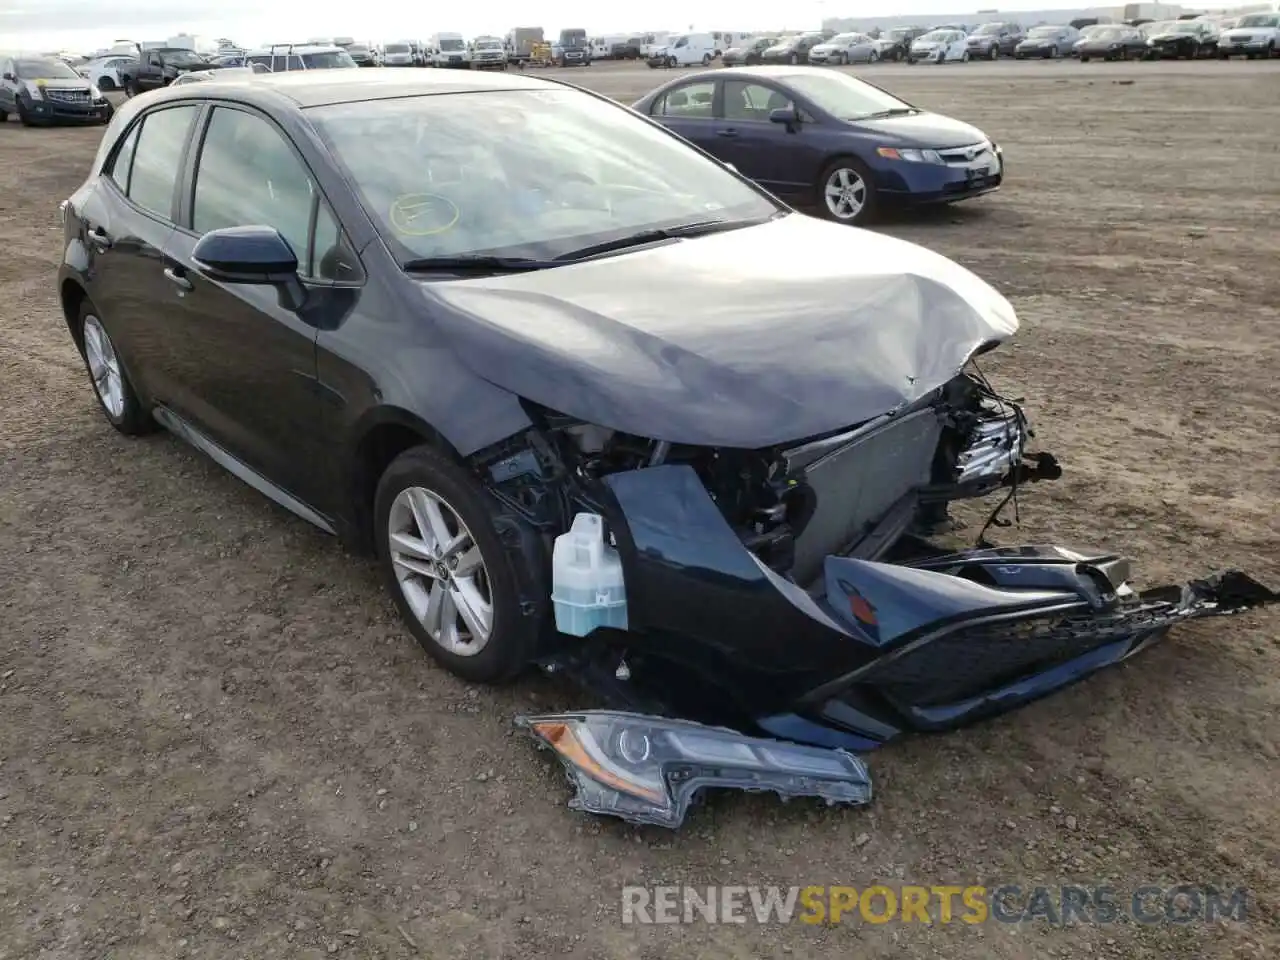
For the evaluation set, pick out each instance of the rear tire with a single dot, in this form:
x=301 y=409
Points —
x=512 y=637
x=706 y=59
x=111 y=384
x=994 y=54
x=106 y=84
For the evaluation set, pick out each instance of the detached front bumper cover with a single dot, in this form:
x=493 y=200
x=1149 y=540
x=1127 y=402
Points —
x=648 y=769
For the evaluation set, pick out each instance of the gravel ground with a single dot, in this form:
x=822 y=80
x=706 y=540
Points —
x=218 y=742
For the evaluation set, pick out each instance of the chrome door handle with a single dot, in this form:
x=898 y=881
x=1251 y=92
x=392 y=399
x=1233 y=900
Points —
x=182 y=282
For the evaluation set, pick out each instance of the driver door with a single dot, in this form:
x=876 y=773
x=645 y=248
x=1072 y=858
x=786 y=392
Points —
x=250 y=377
x=781 y=161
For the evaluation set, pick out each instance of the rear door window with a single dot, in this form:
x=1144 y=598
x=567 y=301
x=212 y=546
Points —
x=157 y=156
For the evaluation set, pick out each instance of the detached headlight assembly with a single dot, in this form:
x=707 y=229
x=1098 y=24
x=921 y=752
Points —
x=910 y=154
x=648 y=769
x=35 y=91
x=94 y=92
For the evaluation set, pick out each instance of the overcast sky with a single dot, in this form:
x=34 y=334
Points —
x=87 y=25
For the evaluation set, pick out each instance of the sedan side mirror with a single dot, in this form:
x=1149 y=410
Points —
x=786 y=115
x=252 y=255
x=10 y=76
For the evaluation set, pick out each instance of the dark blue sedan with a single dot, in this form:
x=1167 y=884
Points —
x=826 y=137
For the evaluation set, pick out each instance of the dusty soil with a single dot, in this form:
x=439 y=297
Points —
x=218 y=742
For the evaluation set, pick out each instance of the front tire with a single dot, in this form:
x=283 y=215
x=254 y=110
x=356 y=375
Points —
x=964 y=57
x=450 y=575
x=111 y=385
x=873 y=56
x=23 y=117
x=793 y=60
x=846 y=192
x=706 y=59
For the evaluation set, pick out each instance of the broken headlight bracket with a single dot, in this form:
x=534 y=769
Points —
x=647 y=769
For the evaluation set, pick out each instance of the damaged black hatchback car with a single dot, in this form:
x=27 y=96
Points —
x=559 y=368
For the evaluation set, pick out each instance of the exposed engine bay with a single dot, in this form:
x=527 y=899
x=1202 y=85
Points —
x=790 y=596
x=963 y=440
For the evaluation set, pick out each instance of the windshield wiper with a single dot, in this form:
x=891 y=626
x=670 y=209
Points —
x=695 y=229
x=476 y=264
x=891 y=112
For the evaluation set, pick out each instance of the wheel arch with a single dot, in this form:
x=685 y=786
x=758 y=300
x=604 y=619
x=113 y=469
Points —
x=72 y=296
x=381 y=436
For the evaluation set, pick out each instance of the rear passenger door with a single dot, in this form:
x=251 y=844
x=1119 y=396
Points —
x=689 y=110
x=128 y=221
x=250 y=380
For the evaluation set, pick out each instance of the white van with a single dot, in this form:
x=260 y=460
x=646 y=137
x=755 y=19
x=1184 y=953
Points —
x=685 y=51
x=448 y=50
x=284 y=57
x=654 y=41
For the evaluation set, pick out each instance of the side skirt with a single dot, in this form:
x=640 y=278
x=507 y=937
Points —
x=238 y=468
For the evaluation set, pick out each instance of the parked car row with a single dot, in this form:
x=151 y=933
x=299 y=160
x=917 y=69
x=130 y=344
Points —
x=1254 y=35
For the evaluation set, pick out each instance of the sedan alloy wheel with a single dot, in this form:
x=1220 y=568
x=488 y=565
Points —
x=441 y=571
x=845 y=194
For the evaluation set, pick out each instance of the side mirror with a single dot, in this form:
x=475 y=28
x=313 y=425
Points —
x=10 y=76
x=784 y=115
x=252 y=255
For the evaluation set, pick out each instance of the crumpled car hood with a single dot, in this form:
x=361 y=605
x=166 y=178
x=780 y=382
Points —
x=747 y=338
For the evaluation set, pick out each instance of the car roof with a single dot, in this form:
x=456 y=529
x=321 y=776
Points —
x=314 y=88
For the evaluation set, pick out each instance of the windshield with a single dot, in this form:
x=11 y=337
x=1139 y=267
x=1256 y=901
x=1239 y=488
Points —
x=1043 y=31
x=488 y=45
x=450 y=43
x=1186 y=27
x=843 y=38
x=45 y=69
x=1094 y=30
x=397 y=48
x=937 y=36
x=529 y=173
x=328 y=60
x=1160 y=26
x=572 y=36
x=1259 y=20
x=988 y=29
x=1109 y=33
x=845 y=96
x=899 y=33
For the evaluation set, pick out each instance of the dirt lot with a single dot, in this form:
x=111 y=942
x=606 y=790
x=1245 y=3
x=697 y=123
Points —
x=217 y=741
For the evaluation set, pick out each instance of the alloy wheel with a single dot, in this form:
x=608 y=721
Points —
x=441 y=571
x=104 y=367
x=845 y=194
